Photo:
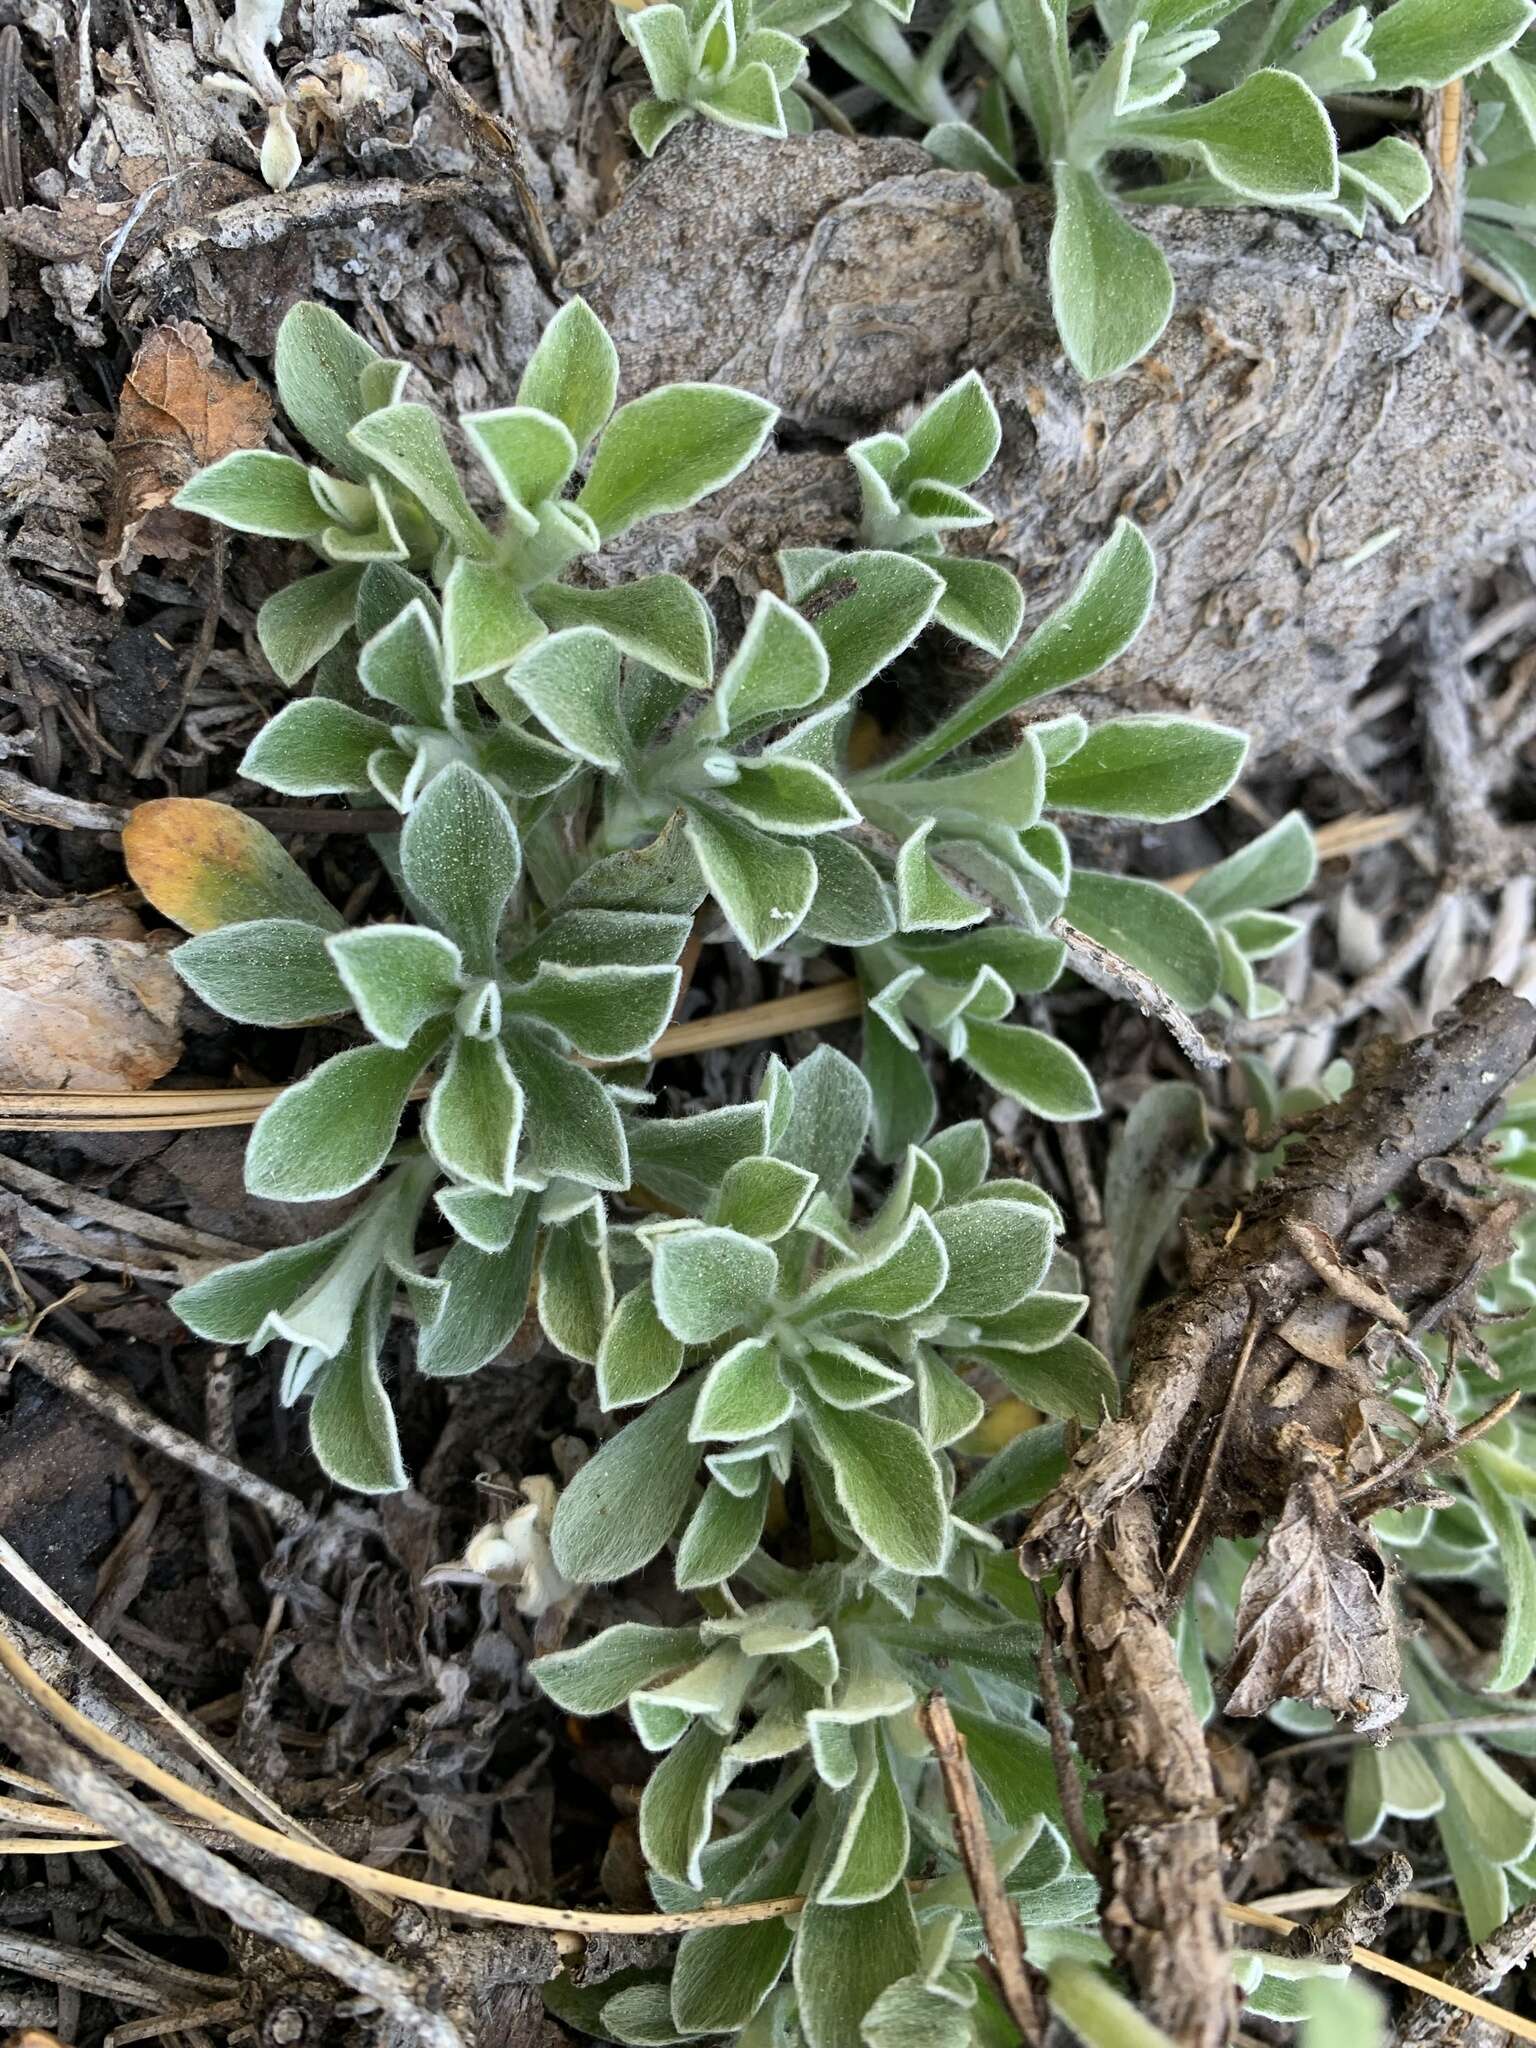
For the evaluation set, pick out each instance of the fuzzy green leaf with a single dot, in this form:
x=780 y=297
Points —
x=574 y=371
x=1101 y=618
x=315 y=748
x=461 y=860
x=670 y=448
x=743 y=1395
x=486 y=1302
x=792 y=798
x=888 y=1485
x=273 y=971
x=1156 y=768
x=845 y=1957
x=1111 y=288
x=351 y=1424
x=638 y=1357
x=407 y=442
x=474 y=1116
x=780 y=666
x=256 y=492
x=487 y=623
x=998 y=1252
x=575 y=1286
x=319 y=364
x=707 y=1281
x=1426 y=44
x=298 y=625
x=656 y=619
x=570 y=682
x=722 y=1533
x=621 y=1507
x=678 y=1803
x=1268 y=140
x=829 y=1115
x=572 y=1129
x=398 y=976
x=763 y=886
x=1035 y=1069
x=333 y=1130
x=1161 y=933
x=1275 y=868
x=603 y=1673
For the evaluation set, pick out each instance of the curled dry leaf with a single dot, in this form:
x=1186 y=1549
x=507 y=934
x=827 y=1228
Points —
x=180 y=410
x=87 y=1000
x=1314 y=1622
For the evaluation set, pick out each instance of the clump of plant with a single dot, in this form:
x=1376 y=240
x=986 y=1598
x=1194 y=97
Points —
x=734 y=62
x=386 y=489
x=575 y=779
x=805 y=1360
x=1230 y=97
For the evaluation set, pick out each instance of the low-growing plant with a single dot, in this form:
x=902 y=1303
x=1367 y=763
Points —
x=574 y=780
x=1499 y=217
x=734 y=62
x=1229 y=97
x=788 y=1342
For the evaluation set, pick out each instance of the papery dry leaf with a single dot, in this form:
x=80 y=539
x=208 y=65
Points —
x=180 y=410
x=1322 y=1255
x=1323 y=1329
x=87 y=1000
x=1314 y=1622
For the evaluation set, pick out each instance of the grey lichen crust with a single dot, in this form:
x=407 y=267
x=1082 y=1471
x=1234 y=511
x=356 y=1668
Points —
x=1317 y=444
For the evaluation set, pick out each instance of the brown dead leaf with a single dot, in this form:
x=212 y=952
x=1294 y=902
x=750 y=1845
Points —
x=1314 y=1622
x=1322 y=1255
x=1323 y=1329
x=180 y=410
x=87 y=1000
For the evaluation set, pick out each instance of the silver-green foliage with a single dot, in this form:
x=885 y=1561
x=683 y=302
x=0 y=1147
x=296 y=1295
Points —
x=772 y=1335
x=1499 y=224
x=1230 y=96
x=575 y=779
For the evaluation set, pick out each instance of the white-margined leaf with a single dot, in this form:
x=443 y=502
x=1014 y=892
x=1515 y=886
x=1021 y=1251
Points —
x=763 y=886
x=461 y=860
x=707 y=1281
x=1034 y=1068
x=670 y=448
x=398 y=976
x=254 y=491
x=273 y=971
x=298 y=625
x=570 y=682
x=998 y=1252
x=486 y=1302
x=407 y=442
x=1163 y=934
x=621 y=1507
x=316 y=747
x=474 y=1116
x=1156 y=768
x=743 y=1396
x=330 y=1132
x=571 y=1126
x=1105 y=612
x=487 y=622
x=656 y=619
x=576 y=1286
x=574 y=371
x=319 y=364
x=638 y=1357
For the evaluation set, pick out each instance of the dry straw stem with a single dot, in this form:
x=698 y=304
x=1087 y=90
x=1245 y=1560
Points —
x=511 y=1912
x=831 y=1002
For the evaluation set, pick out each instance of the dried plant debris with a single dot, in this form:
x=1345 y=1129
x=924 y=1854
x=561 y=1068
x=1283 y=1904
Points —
x=1315 y=1620
x=180 y=410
